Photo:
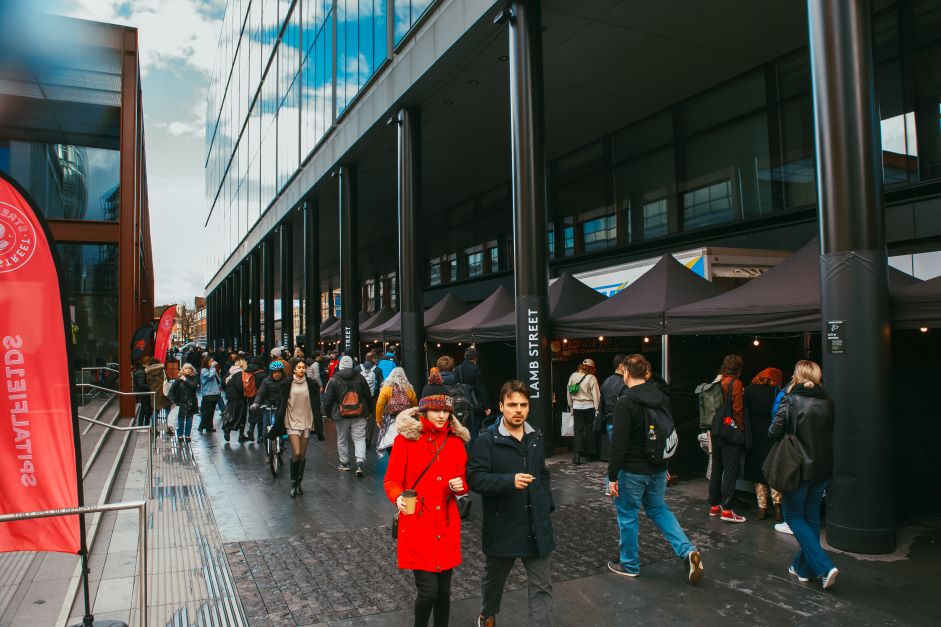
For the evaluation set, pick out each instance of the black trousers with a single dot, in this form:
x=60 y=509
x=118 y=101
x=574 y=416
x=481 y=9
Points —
x=586 y=440
x=206 y=411
x=434 y=594
x=146 y=411
x=725 y=463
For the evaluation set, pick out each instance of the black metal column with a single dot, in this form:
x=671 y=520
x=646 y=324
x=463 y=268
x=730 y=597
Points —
x=531 y=269
x=287 y=284
x=255 y=291
x=312 y=275
x=349 y=275
x=268 y=300
x=854 y=303
x=245 y=309
x=410 y=254
x=226 y=312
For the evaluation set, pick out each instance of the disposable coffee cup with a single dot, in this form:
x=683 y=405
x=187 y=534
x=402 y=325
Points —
x=411 y=498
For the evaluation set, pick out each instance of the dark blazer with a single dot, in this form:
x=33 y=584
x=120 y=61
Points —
x=510 y=514
x=812 y=408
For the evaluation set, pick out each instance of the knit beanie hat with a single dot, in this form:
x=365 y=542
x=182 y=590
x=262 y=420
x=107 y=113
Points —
x=435 y=396
x=346 y=362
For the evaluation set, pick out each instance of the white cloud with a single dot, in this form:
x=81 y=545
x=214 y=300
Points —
x=181 y=129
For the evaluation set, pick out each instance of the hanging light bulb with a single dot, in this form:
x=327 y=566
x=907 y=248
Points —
x=439 y=345
x=601 y=338
x=459 y=344
x=756 y=342
x=923 y=329
x=565 y=340
x=646 y=340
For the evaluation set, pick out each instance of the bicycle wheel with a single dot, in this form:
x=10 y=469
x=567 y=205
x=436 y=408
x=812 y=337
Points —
x=275 y=461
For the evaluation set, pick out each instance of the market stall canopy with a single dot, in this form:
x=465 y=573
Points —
x=639 y=308
x=495 y=306
x=567 y=296
x=334 y=331
x=326 y=324
x=785 y=298
x=917 y=305
x=380 y=317
x=448 y=308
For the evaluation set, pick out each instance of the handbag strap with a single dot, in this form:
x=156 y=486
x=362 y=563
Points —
x=433 y=458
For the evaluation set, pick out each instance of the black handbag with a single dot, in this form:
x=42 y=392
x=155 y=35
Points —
x=723 y=425
x=395 y=517
x=782 y=466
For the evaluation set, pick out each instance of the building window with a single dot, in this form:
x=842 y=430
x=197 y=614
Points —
x=550 y=240
x=451 y=265
x=568 y=240
x=599 y=233
x=493 y=252
x=435 y=272
x=407 y=13
x=655 y=218
x=707 y=205
x=91 y=275
x=475 y=264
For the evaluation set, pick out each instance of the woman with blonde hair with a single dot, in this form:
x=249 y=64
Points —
x=807 y=412
x=395 y=396
x=584 y=400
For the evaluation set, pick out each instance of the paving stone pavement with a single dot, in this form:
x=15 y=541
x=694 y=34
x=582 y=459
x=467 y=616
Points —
x=333 y=575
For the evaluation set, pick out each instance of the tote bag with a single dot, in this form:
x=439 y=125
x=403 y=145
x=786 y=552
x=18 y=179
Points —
x=568 y=424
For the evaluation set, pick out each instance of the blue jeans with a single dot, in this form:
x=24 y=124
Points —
x=802 y=514
x=184 y=424
x=647 y=490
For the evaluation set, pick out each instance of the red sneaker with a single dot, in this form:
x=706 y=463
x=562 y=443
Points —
x=731 y=517
x=715 y=510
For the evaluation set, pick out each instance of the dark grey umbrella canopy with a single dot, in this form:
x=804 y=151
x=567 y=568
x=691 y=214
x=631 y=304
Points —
x=917 y=305
x=495 y=306
x=639 y=308
x=448 y=308
x=785 y=298
x=567 y=295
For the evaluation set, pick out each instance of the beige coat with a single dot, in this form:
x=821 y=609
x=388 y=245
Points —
x=588 y=390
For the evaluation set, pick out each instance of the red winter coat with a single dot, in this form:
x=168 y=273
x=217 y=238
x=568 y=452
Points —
x=429 y=539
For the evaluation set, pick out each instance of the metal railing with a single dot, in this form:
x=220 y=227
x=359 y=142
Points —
x=140 y=506
x=150 y=447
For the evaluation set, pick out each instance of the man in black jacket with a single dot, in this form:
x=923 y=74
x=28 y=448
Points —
x=507 y=467
x=468 y=373
x=635 y=480
x=350 y=422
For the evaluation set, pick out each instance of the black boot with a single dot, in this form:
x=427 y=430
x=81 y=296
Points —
x=300 y=474
x=295 y=471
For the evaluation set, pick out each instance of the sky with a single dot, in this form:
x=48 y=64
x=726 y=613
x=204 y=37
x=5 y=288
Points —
x=177 y=40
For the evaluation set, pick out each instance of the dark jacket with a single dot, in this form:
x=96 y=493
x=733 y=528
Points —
x=611 y=390
x=468 y=372
x=233 y=388
x=183 y=393
x=630 y=424
x=270 y=392
x=139 y=381
x=812 y=408
x=283 y=389
x=758 y=402
x=336 y=388
x=516 y=523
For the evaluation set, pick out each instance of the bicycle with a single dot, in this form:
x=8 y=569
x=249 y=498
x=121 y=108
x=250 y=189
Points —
x=274 y=447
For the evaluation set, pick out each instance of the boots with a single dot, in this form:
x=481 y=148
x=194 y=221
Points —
x=300 y=474
x=295 y=471
x=778 y=514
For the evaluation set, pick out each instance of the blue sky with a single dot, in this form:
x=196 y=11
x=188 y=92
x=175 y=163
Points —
x=177 y=43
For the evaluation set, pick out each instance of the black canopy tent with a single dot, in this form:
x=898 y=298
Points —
x=460 y=329
x=379 y=318
x=567 y=295
x=917 y=305
x=785 y=298
x=334 y=331
x=448 y=308
x=639 y=308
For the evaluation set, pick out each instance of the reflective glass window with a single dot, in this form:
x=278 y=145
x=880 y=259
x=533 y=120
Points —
x=656 y=219
x=599 y=233
x=707 y=205
x=407 y=13
x=435 y=273
x=67 y=182
x=316 y=91
x=91 y=286
x=361 y=45
x=475 y=264
x=494 y=253
x=645 y=180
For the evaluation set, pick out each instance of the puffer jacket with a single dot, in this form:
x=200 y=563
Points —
x=270 y=391
x=812 y=408
x=429 y=539
x=183 y=394
x=155 y=378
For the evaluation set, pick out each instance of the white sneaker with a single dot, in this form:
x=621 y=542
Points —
x=790 y=570
x=783 y=528
x=830 y=578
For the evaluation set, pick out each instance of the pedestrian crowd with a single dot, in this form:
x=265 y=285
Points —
x=437 y=446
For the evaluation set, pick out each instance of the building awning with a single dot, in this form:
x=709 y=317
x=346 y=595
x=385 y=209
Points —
x=567 y=296
x=639 y=308
x=785 y=298
x=461 y=329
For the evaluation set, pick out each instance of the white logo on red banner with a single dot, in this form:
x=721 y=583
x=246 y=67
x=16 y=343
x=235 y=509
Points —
x=17 y=238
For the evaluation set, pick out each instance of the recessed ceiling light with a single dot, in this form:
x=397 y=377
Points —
x=503 y=57
x=474 y=82
x=448 y=103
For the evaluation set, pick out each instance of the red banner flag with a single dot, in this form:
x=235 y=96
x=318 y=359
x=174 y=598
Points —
x=37 y=410
x=163 y=333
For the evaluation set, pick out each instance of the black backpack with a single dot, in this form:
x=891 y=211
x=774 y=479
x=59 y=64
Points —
x=463 y=398
x=660 y=439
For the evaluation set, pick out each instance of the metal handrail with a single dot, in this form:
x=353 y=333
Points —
x=100 y=368
x=150 y=452
x=119 y=392
x=140 y=506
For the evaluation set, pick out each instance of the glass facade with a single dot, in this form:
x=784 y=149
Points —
x=67 y=182
x=284 y=72
x=91 y=283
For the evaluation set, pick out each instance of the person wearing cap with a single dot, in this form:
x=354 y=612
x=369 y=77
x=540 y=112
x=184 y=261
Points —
x=346 y=400
x=270 y=392
x=584 y=399
x=429 y=457
x=507 y=467
x=387 y=364
x=468 y=372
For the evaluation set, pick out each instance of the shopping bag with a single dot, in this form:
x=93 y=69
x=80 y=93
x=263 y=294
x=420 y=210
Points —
x=174 y=413
x=568 y=424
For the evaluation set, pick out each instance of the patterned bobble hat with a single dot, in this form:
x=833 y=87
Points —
x=435 y=396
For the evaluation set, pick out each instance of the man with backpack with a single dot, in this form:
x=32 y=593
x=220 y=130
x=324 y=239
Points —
x=643 y=439
x=373 y=376
x=461 y=394
x=347 y=400
x=468 y=373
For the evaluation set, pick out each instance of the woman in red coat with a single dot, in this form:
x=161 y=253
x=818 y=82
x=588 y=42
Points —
x=429 y=541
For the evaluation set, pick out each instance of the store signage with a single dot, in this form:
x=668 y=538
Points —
x=37 y=410
x=836 y=336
